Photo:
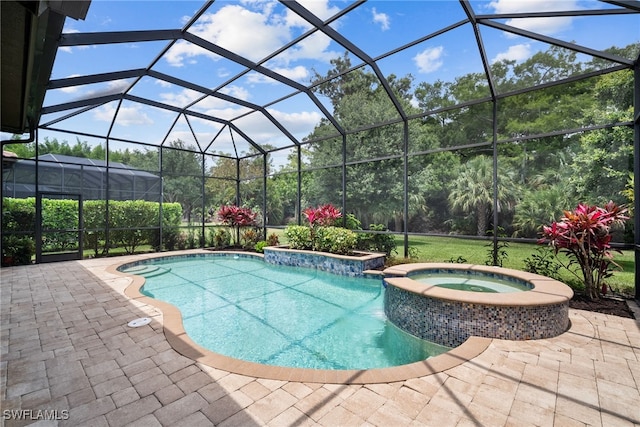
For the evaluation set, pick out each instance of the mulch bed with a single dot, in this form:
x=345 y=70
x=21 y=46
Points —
x=614 y=306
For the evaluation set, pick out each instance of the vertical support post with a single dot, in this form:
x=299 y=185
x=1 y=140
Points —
x=161 y=211
x=299 y=189
x=204 y=230
x=495 y=180
x=265 y=171
x=237 y=182
x=636 y=174
x=344 y=180
x=107 y=226
x=405 y=159
x=38 y=224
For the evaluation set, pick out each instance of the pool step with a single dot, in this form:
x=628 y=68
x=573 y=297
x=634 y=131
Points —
x=147 y=270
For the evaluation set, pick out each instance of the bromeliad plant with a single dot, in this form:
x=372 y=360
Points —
x=237 y=217
x=584 y=235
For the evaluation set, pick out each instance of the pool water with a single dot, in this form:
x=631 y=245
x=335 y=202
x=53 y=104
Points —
x=285 y=316
x=472 y=283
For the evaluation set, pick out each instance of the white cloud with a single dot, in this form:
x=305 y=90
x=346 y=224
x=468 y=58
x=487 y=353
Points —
x=429 y=60
x=518 y=52
x=127 y=116
x=71 y=89
x=236 y=91
x=255 y=33
x=300 y=123
x=182 y=98
x=320 y=8
x=70 y=49
x=242 y=31
x=547 y=26
x=183 y=50
x=381 y=18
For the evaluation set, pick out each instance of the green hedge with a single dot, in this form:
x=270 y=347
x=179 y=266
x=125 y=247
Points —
x=132 y=223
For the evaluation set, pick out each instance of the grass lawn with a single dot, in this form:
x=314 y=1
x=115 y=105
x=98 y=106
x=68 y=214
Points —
x=444 y=249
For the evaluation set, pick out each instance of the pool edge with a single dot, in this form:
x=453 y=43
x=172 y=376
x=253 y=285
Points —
x=180 y=341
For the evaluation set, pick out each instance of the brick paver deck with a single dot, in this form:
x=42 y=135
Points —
x=68 y=358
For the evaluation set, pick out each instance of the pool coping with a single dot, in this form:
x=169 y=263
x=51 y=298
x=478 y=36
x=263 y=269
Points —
x=181 y=342
x=546 y=291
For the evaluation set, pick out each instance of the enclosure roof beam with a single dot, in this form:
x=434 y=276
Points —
x=340 y=39
x=553 y=41
x=95 y=78
x=111 y=37
x=466 y=6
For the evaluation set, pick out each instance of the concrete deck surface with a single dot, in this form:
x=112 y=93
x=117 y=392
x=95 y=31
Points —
x=68 y=358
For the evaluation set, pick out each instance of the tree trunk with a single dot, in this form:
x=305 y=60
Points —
x=482 y=213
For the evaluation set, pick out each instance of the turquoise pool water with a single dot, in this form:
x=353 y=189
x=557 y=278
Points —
x=285 y=316
x=472 y=283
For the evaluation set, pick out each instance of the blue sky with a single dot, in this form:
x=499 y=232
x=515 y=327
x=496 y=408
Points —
x=256 y=28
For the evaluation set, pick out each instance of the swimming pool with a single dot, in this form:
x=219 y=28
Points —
x=247 y=309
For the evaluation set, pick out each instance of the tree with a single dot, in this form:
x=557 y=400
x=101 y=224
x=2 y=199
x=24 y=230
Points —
x=472 y=191
x=182 y=176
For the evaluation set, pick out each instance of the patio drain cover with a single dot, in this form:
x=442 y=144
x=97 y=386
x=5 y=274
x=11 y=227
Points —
x=139 y=322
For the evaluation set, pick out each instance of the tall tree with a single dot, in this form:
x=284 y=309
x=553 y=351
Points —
x=472 y=191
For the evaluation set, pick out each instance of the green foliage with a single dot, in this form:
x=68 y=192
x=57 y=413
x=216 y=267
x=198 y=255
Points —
x=59 y=215
x=352 y=223
x=94 y=215
x=171 y=218
x=377 y=242
x=249 y=238
x=132 y=223
x=299 y=236
x=222 y=238
x=17 y=250
x=336 y=240
x=543 y=262
x=259 y=246
x=127 y=220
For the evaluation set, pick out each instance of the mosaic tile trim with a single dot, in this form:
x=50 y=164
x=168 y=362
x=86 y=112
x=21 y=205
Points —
x=352 y=267
x=450 y=323
x=171 y=258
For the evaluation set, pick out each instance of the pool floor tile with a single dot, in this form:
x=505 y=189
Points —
x=65 y=346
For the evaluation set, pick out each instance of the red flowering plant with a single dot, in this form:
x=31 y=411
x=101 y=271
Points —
x=324 y=215
x=584 y=235
x=237 y=217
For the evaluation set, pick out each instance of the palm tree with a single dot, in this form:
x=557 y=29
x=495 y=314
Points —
x=472 y=191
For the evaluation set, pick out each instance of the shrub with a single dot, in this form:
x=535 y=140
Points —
x=222 y=238
x=17 y=250
x=377 y=242
x=259 y=247
x=236 y=217
x=543 y=262
x=584 y=235
x=249 y=238
x=299 y=236
x=336 y=240
x=273 y=240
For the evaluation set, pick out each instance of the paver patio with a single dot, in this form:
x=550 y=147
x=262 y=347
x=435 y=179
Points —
x=67 y=353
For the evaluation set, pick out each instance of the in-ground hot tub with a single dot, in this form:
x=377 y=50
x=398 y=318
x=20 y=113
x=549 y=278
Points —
x=537 y=306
